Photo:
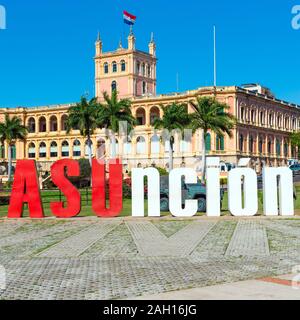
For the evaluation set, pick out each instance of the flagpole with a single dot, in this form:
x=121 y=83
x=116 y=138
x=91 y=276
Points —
x=215 y=58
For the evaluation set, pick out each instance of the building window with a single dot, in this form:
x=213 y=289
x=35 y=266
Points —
x=242 y=113
x=260 y=146
x=143 y=69
x=113 y=86
x=271 y=120
x=220 y=143
x=253 y=116
x=141 y=145
x=65 y=150
x=251 y=144
x=286 y=150
x=114 y=67
x=43 y=150
x=106 y=68
x=241 y=143
x=64 y=122
x=278 y=147
x=31 y=151
x=76 y=148
x=270 y=147
x=144 y=87
x=53 y=150
x=123 y=66
x=149 y=71
x=262 y=118
x=154 y=115
x=31 y=125
x=138 y=68
x=53 y=124
x=141 y=117
x=42 y=124
x=87 y=148
x=208 y=142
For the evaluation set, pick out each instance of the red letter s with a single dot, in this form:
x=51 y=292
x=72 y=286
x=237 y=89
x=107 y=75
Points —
x=72 y=194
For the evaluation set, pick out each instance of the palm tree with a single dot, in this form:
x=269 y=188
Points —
x=211 y=115
x=175 y=117
x=111 y=113
x=12 y=130
x=295 y=140
x=83 y=117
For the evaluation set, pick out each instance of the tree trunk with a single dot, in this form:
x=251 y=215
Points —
x=171 y=153
x=203 y=169
x=90 y=150
x=113 y=146
x=9 y=163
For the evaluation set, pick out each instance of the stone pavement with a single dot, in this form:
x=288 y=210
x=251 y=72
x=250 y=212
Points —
x=93 y=258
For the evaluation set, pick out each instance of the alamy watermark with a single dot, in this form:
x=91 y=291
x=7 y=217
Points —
x=2 y=18
x=296 y=18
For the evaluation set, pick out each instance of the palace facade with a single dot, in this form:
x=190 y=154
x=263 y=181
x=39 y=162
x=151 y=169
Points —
x=262 y=133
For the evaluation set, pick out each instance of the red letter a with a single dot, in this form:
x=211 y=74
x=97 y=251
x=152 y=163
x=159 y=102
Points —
x=99 y=188
x=25 y=190
x=58 y=169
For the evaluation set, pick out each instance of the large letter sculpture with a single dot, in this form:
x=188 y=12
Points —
x=25 y=190
x=59 y=171
x=99 y=189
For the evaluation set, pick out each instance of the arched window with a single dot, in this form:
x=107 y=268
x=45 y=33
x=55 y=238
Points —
x=242 y=113
x=208 y=142
x=286 y=149
x=31 y=125
x=65 y=149
x=251 y=144
x=138 y=68
x=53 y=124
x=127 y=146
x=149 y=71
x=262 y=118
x=287 y=123
x=253 y=116
x=31 y=151
x=270 y=147
x=76 y=148
x=42 y=124
x=141 y=117
x=114 y=67
x=117 y=147
x=43 y=150
x=113 y=86
x=143 y=69
x=220 y=143
x=123 y=65
x=279 y=121
x=106 y=69
x=87 y=148
x=141 y=145
x=144 y=87
x=53 y=150
x=278 y=147
x=155 y=145
x=154 y=114
x=260 y=145
x=241 y=143
x=270 y=119
x=64 y=120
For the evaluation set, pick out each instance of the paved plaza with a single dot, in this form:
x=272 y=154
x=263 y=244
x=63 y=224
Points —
x=92 y=258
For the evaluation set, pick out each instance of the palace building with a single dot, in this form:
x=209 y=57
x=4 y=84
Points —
x=262 y=133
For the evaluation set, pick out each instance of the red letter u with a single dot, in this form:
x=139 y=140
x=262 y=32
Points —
x=99 y=189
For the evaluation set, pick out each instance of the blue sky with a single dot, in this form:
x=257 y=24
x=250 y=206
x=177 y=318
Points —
x=46 y=53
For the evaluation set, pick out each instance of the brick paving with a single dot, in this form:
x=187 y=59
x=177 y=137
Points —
x=106 y=259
